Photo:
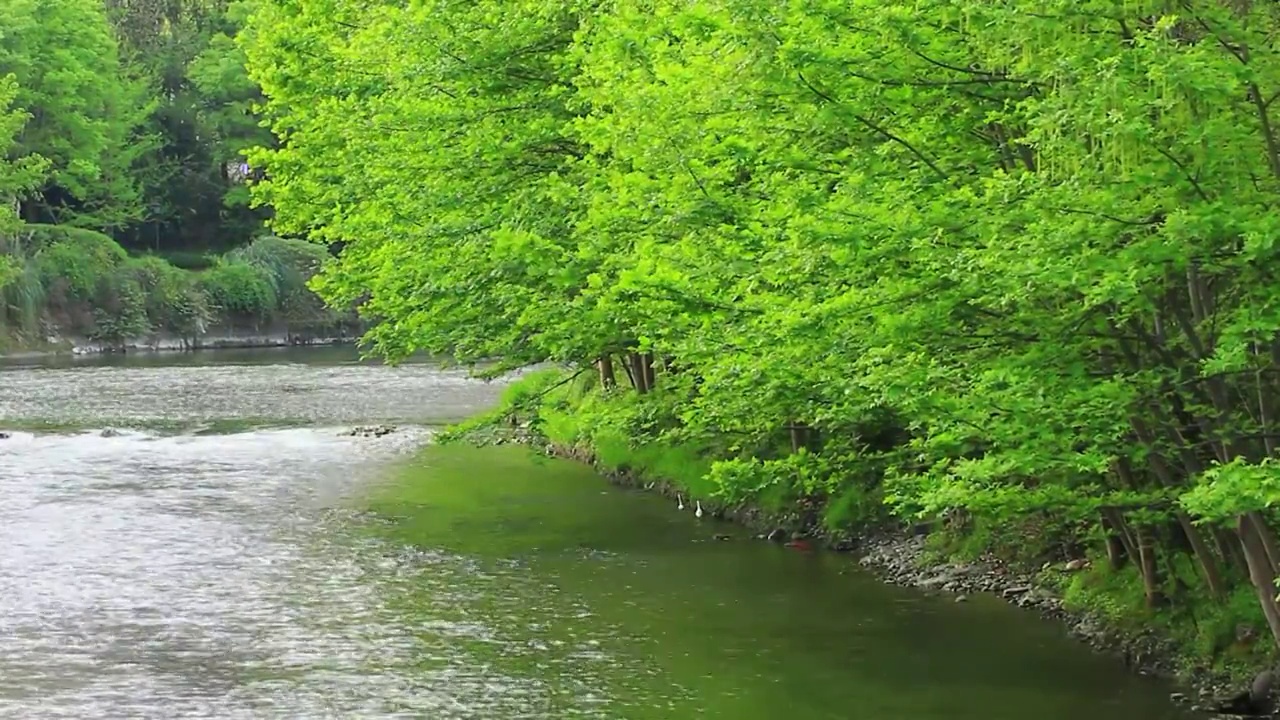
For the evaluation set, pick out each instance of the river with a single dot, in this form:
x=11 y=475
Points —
x=229 y=553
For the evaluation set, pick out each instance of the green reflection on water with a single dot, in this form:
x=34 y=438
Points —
x=623 y=607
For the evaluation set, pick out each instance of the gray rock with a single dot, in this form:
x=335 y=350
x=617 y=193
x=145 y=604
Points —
x=1087 y=628
x=5 y=436
x=110 y=433
x=1015 y=591
x=938 y=581
x=370 y=431
x=1077 y=565
x=962 y=598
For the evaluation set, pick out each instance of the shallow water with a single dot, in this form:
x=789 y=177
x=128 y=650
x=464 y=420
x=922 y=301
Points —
x=235 y=556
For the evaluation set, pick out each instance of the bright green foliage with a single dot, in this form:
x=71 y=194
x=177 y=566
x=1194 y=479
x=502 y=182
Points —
x=481 y=253
x=1012 y=261
x=130 y=118
x=84 y=115
x=18 y=173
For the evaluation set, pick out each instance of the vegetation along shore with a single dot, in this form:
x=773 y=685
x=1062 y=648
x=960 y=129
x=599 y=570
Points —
x=1003 y=268
x=1001 y=272
x=125 y=213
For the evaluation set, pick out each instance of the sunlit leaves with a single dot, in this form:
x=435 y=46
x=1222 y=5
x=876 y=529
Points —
x=1022 y=238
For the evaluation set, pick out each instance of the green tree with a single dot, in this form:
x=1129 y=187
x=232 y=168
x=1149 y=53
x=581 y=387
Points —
x=84 y=115
x=197 y=196
x=1010 y=259
x=18 y=172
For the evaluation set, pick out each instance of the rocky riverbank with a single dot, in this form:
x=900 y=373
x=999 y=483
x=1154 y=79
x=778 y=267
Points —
x=899 y=556
x=901 y=559
x=165 y=343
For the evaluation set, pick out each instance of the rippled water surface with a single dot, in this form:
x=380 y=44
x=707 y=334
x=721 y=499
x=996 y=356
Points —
x=226 y=552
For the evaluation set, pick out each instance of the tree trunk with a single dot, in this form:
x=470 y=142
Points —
x=1267 y=538
x=1203 y=553
x=1150 y=569
x=631 y=376
x=1261 y=573
x=605 y=365
x=646 y=360
x=1229 y=547
x=799 y=436
x=1123 y=533
x=639 y=375
x=1204 y=556
x=1116 y=553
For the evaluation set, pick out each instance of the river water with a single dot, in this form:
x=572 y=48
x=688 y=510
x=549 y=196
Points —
x=226 y=552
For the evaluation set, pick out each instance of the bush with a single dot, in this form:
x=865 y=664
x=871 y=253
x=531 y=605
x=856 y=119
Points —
x=174 y=300
x=75 y=261
x=120 y=308
x=84 y=282
x=240 y=289
x=290 y=265
x=10 y=270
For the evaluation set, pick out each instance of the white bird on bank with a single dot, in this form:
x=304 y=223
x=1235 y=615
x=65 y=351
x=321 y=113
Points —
x=679 y=502
x=698 y=513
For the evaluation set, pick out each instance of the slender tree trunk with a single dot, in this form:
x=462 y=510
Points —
x=650 y=379
x=1204 y=557
x=1123 y=532
x=605 y=365
x=1268 y=539
x=1261 y=573
x=1116 y=553
x=799 y=435
x=627 y=367
x=639 y=375
x=1150 y=569
x=1229 y=547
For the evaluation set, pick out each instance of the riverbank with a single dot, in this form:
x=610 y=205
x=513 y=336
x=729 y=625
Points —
x=901 y=557
x=74 y=290
x=169 y=344
x=1213 y=648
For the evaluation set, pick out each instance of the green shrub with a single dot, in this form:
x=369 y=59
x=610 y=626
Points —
x=10 y=270
x=120 y=308
x=290 y=265
x=75 y=260
x=856 y=505
x=240 y=289
x=174 y=300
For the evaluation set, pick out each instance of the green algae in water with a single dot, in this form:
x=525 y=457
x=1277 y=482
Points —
x=617 y=605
